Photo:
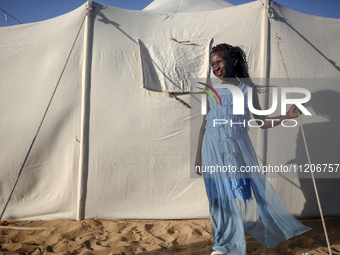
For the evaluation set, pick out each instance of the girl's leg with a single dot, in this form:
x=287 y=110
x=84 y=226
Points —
x=226 y=222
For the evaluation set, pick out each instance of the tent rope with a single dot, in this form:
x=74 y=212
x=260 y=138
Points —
x=6 y=13
x=303 y=134
x=43 y=118
x=179 y=100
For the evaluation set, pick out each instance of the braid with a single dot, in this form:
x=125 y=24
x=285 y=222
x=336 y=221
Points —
x=242 y=73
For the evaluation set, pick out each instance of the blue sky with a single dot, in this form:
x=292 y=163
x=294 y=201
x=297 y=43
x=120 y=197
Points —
x=28 y=11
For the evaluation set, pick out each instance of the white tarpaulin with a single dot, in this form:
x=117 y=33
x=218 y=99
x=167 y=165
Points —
x=33 y=57
x=138 y=139
x=170 y=65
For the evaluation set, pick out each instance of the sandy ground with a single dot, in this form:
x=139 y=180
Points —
x=145 y=237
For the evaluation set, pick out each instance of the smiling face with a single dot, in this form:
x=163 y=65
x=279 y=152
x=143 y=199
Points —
x=223 y=65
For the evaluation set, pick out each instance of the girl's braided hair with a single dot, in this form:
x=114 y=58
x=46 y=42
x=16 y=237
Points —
x=242 y=73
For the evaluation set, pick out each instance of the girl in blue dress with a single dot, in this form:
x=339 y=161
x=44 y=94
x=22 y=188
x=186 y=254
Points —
x=239 y=202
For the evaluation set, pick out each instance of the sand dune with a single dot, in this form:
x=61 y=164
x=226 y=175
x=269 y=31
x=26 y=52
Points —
x=145 y=237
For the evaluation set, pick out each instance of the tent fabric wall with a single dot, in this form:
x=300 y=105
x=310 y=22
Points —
x=141 y=155
x=139 y=140
x=309 y=51
x=33 y=57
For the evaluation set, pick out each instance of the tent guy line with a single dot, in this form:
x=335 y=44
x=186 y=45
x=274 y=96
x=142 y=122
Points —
x=6 y=13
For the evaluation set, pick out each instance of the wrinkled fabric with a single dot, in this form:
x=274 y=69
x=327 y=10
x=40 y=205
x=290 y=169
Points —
x=168 y=65
x=239 y=202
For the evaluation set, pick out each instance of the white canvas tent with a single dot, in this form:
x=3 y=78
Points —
x=97 y=136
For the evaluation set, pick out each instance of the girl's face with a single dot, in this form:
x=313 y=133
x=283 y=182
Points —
x=223 y=65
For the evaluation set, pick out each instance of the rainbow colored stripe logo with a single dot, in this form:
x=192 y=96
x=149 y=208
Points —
x=209 y=93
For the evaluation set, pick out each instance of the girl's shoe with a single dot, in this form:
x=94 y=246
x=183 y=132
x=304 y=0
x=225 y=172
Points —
x=216 y=253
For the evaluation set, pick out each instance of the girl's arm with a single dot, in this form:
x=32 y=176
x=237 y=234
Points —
x=269 y=122
x=198 y=161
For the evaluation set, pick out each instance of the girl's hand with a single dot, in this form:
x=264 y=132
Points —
x=293 y=112
x=198 y=164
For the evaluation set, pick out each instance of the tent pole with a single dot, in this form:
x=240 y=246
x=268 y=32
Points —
x=265 y=50
x=85 y=116
x=262 y=135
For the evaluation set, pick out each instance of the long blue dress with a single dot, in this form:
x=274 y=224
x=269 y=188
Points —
x=240 y=203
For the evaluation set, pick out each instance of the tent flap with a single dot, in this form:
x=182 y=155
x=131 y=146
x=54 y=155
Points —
x=169 y=64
